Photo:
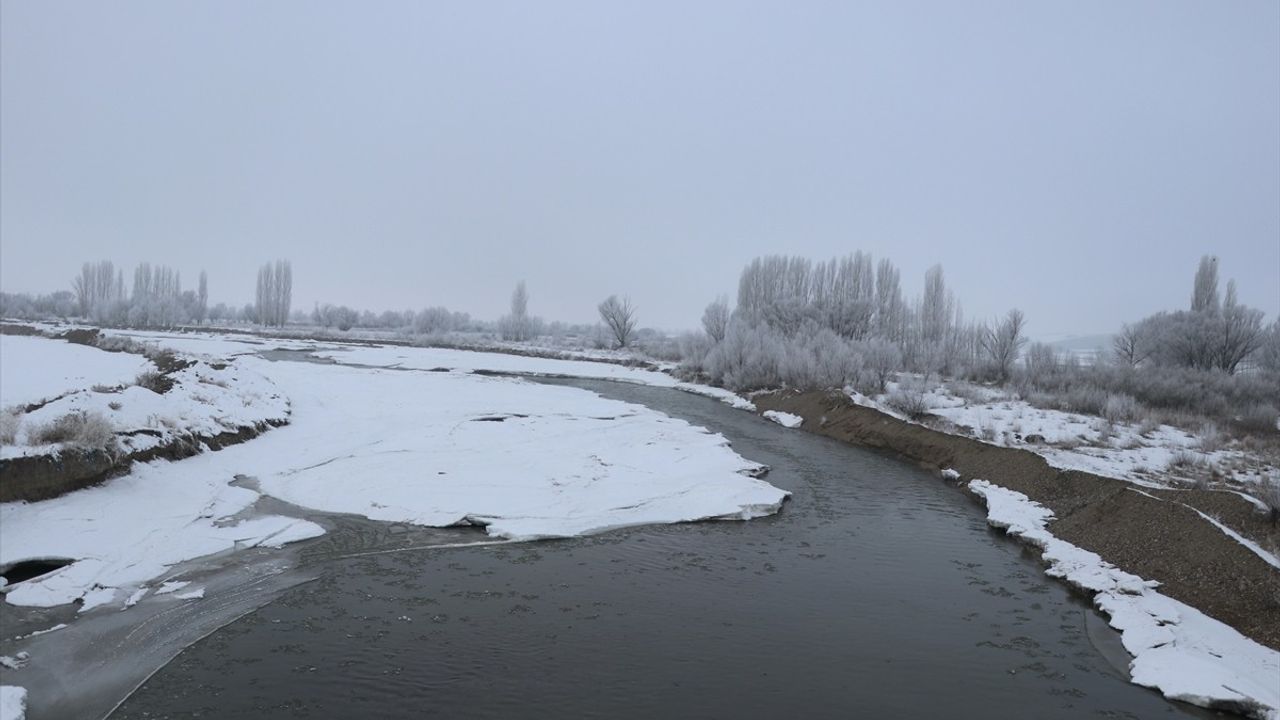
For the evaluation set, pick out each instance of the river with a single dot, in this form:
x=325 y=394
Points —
x=877 y=591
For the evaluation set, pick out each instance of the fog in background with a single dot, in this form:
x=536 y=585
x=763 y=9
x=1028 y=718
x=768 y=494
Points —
x=1074 y=160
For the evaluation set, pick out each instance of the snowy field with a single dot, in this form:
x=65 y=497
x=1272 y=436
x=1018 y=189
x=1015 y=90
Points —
x=1176 y=649
x=1154 y=456
x=35 y=369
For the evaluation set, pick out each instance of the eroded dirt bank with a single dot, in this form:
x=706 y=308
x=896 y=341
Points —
x=1156 y=536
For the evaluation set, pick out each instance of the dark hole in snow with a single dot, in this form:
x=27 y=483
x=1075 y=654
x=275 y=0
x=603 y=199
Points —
x=497 y=418
x=28 y=569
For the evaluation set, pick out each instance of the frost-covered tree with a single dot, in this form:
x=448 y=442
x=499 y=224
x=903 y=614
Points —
x=156 y=300
x=436 y=321
x=882 y=359
x=274 y=293
x=97 y=288
x=1240 y=332
x=1269 y=349
x=1204 y=294
x=517 y=326
x=619 y=316
x=1002 y=342
x=202 y=299
x=715 y=319
x=889 y=305
x=937 y=307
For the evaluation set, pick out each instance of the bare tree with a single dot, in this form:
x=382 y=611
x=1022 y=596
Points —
x=1241 y=332
x=1002 y=342
x=1133 y=344
x=620 y=317
x=715 y=319
x=1204 y=296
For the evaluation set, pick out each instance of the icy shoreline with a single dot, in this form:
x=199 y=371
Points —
x=1176 y=649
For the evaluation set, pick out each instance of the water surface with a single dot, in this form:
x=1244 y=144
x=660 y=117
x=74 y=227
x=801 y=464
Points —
x=878 y=591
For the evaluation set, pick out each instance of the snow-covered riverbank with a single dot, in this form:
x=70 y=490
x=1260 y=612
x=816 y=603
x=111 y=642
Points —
x=1176 y=649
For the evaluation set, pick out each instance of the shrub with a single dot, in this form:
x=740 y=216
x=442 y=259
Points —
x=1269 y=493
x=87 y=430
x=1121 y=408
x=153 y=381
x=693 y=350
x=911 y=402
x=1185 y=459
x=9 y=422
x=1085 y=399
x=1210 y=438
x=1259 y=417
x=747 y=358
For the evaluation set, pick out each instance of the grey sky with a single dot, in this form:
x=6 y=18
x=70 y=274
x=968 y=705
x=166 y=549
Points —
x=1073 y=159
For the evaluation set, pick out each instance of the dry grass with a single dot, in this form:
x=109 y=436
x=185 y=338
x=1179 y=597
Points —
x=85 y=430
x=153 y=381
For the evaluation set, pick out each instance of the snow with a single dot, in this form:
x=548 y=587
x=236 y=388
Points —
x=1176 y=649
x=196 y=594
x=523 y=460
x=171 y=586
x=34 y=369
x=38 y=633
x=783 y=418
x=215 y=345
x=13 y=702
x=1070 y=441
x=204 y=400
x=412 y=358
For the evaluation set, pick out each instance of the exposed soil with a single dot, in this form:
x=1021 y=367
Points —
x=1154 y=535
x=41 y=477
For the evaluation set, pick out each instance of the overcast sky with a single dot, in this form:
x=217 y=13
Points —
x=1074 y=159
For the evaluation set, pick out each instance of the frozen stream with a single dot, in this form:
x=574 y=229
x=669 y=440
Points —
x=878 y=591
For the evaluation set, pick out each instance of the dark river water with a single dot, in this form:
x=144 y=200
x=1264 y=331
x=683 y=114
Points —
x=878 y=591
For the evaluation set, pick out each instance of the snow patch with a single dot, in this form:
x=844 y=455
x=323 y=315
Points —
x=171 y=586
x=13 y=702
x=1176 y=649
x=783 y=418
